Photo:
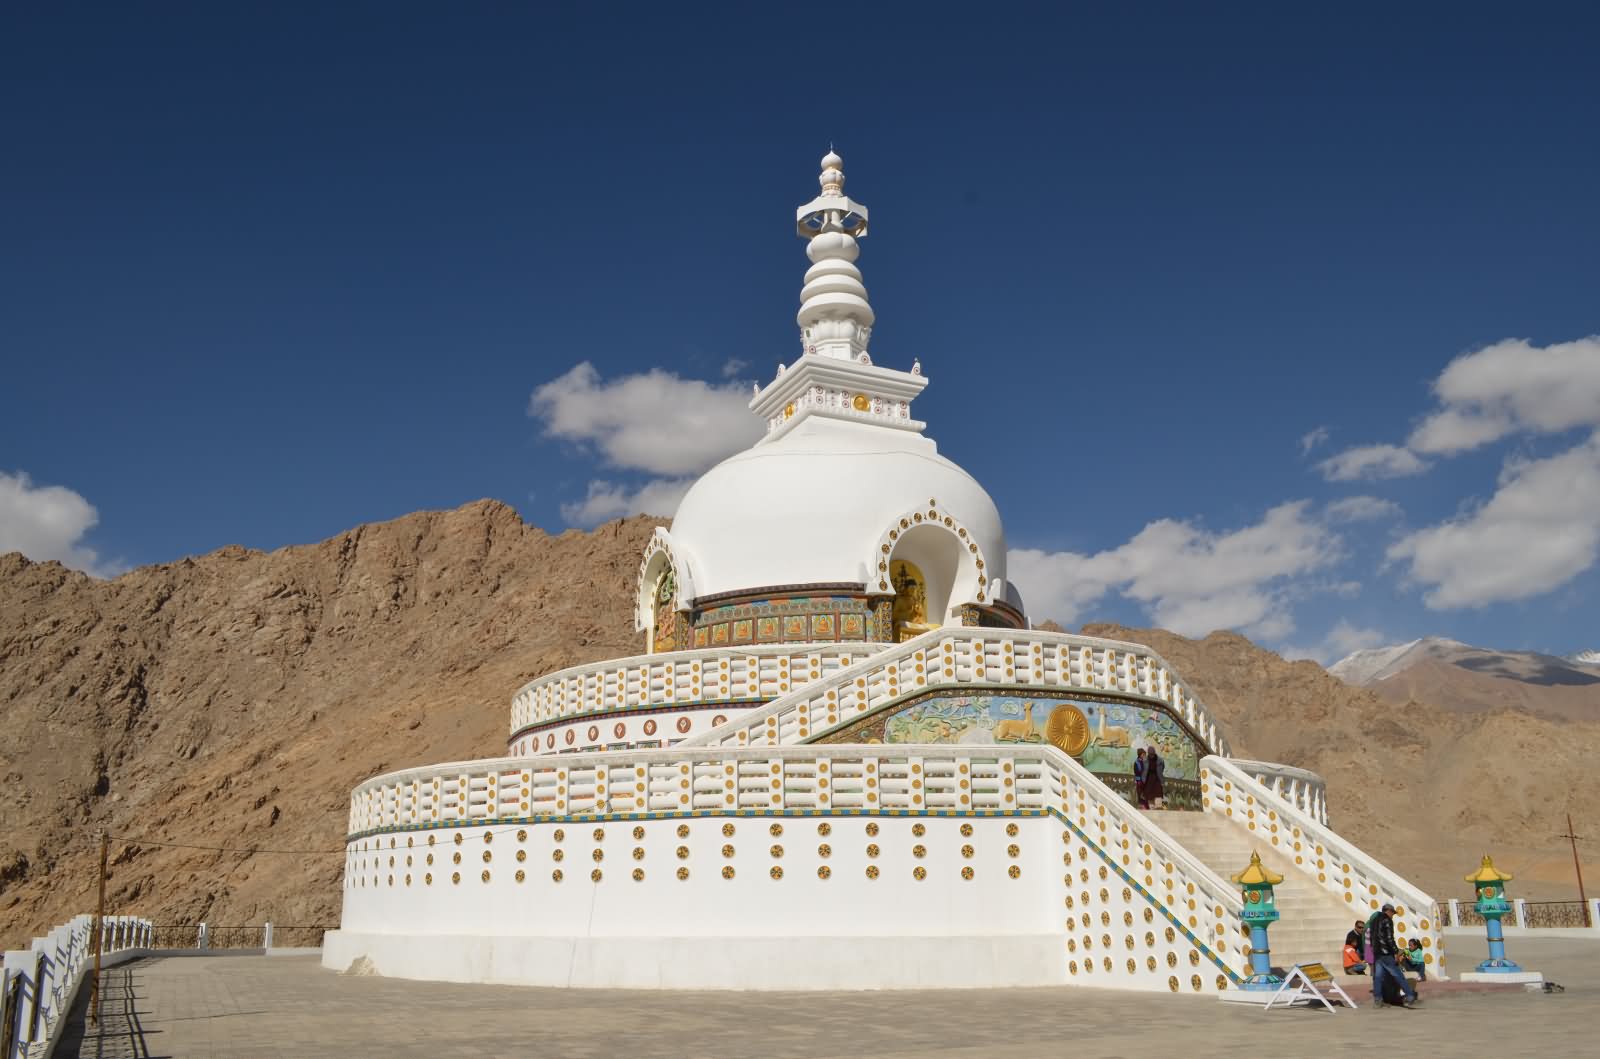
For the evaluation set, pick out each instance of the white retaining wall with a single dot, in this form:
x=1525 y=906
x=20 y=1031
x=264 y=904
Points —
x=1021 y=851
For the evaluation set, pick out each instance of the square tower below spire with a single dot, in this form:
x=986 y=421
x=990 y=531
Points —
x=839 y=389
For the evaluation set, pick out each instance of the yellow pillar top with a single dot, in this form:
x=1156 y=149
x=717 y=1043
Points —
x=1488 y=873
x=1256 y=873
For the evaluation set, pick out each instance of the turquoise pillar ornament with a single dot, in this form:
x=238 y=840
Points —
x=1260 y=912
x=1492 y=904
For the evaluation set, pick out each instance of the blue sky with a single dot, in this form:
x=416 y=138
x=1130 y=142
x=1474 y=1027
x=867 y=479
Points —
x=271 y=273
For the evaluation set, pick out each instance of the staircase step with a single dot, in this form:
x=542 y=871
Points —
x=1314 y=920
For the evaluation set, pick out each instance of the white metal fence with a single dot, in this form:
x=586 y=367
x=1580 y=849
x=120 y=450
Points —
x=41 y=983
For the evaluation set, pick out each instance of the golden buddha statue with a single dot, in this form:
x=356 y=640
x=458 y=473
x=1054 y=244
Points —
x=910 y=600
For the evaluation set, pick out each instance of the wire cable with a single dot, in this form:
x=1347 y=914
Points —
x=132 y=840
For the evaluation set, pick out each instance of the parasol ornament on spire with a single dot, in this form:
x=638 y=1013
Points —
x=835 y=318
x=834 y=377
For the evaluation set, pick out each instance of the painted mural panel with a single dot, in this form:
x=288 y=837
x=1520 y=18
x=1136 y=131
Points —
x=1104 y=736
x=794 y=619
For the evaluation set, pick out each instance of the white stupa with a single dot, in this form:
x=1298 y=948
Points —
x=843 y=760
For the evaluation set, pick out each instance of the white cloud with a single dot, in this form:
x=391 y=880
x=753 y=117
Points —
x=1371 y=461
x=1343 y=639
x=654 y=421
x=1454 y=430
x=48 y=522
x=1361 y=509
x=1539 y=530
x=733 y=366
x=1513 y=386
x=1510 y=387
x=608 y=500
x=1190 y=580
x=1312 y=439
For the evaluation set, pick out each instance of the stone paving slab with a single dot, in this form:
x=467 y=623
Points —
x=246 y=1007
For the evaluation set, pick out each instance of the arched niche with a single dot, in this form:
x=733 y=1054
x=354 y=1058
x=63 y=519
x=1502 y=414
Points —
x=929 y=554
x=662 y=599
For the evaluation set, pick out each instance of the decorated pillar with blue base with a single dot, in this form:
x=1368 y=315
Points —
x=1260 y=911
x=1492 y=904
x=1490 y=883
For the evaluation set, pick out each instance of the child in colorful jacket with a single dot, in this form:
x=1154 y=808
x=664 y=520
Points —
x=1412 y=960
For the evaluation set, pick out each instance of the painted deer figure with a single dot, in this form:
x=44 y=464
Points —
x=1112 y=736
x=1015 y=730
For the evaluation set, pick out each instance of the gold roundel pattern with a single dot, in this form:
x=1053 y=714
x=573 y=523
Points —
x=1068 y=730
x=861 y=402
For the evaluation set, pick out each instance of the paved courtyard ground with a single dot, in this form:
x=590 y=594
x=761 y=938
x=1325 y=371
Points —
x=244 y=1007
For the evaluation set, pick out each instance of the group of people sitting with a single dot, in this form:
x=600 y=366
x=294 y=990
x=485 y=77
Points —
x=1371 y=948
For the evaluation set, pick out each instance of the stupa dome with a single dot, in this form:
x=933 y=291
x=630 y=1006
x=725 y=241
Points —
x=832 y=502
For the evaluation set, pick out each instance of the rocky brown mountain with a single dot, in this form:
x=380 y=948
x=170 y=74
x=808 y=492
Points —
x=234 y=699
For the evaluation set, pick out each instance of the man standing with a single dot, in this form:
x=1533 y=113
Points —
x=1385 y=953
x=1370 y=932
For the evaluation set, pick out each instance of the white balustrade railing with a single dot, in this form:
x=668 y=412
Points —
x=40 y=984
x=720 y=674
x=683 y=779
x=1333 y=863
x=1301 y=788
x=968 y=656
x=1130 y=832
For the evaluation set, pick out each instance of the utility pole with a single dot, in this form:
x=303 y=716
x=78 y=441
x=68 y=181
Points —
x=99 y=930
x=1577 y=866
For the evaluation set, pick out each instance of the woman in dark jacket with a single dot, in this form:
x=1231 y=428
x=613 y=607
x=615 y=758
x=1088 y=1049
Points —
x=1155 y=772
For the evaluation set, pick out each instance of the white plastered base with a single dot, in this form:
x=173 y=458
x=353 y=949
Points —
x=1524 y=978
x=815 y=963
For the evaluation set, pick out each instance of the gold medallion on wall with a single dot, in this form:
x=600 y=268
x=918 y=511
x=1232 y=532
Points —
x=1068 y=730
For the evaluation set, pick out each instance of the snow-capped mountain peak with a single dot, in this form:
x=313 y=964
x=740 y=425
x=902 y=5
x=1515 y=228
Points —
x=1363 y=667
x=1529 y=668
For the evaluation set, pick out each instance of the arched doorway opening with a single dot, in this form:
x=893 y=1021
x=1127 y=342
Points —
x=657 y=611
x=931 y=573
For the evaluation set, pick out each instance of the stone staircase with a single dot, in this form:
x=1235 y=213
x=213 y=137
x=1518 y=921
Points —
x=1314 y=921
